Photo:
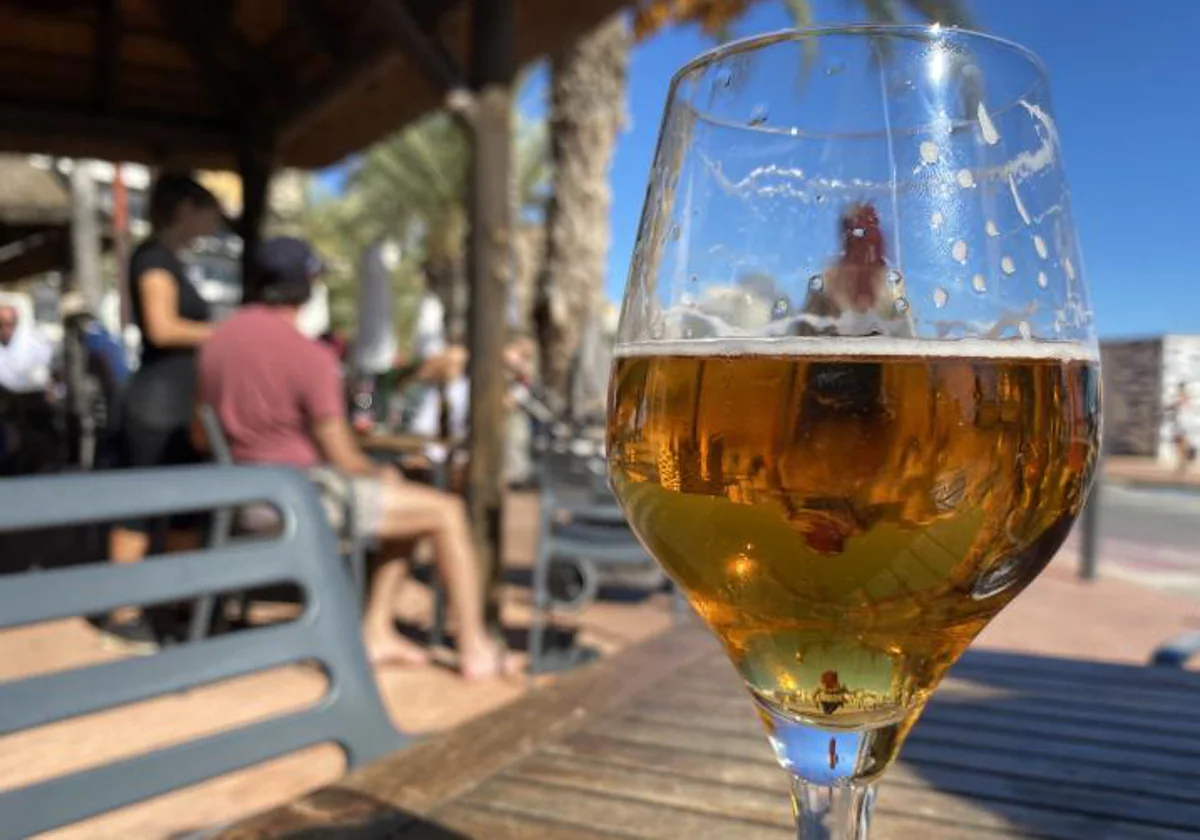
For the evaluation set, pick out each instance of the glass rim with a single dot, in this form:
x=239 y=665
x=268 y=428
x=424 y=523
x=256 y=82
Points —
x=929 y=32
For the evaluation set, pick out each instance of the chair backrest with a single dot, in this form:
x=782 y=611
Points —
x=218 y=444
x=304 y=554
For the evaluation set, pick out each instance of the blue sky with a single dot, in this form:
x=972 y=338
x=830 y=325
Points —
x=1124 y=86
x=1124 y=91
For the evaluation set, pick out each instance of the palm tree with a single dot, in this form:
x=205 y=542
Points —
x=588 y=94
x=412 y=187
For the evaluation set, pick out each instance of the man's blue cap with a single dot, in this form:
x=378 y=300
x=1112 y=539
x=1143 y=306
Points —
x=286 y=261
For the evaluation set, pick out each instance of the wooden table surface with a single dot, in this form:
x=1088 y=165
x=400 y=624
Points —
x=661 y=741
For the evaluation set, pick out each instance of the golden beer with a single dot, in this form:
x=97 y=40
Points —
x=847 y=514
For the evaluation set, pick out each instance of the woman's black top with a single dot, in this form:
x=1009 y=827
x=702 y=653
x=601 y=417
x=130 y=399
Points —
x=161 y=392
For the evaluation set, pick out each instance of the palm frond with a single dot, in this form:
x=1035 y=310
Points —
x=945 y=12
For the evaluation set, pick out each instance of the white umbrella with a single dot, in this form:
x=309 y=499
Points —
x=376 y=344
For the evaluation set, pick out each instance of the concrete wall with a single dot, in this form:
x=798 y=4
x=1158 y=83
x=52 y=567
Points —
x=1133 y=390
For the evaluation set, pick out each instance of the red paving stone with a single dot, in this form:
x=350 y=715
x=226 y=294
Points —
x=1108 y=619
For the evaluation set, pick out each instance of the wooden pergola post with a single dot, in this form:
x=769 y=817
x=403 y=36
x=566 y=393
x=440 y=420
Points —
x=493 y=67
x=254 y=167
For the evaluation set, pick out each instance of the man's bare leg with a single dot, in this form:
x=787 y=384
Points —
x=411 y=510
x=127 y=546
x=384 y=645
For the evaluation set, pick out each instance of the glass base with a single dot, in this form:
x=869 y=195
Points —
x=832 y=812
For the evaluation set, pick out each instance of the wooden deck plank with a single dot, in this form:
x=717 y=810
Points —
x=980 y=664
x=437 y=770
x=625 y=817
x=662 y=741
x=1180 y=707
x=476 y=821
x=900 y=793
x=1040 y=772
x=995 y=738
x=665 y=808
x=1114 y=728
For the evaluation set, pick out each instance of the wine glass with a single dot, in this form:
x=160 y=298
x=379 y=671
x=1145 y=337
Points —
x=854 y=406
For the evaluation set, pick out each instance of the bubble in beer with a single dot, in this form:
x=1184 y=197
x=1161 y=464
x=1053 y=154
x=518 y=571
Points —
x=1039 y=245
x=901 y=306
x=959 y=251
x=965 y=179
x=816 y=283
x=1069 y=268
x=991 y=228
x=1042 y=280
x=979 y=283
x=940 y=297
x=936 y=219
x=1007 y=265
x=929 y=152
x=894 y=277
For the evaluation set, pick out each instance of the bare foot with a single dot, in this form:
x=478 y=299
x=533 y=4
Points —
x=388 y=648
x=488 y=659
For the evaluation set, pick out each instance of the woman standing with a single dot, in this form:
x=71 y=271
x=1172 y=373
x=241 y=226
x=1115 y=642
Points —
x=173 y=320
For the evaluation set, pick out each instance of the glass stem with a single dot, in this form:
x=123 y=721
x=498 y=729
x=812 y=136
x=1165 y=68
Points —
x=832 y=812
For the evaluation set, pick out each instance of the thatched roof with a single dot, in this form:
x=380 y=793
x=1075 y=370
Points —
x=181 y=81
x=30 y=196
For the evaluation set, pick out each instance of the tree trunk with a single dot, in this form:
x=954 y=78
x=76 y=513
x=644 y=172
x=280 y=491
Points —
x=587 y=111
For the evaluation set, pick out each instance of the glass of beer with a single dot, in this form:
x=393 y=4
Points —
x=854 y=407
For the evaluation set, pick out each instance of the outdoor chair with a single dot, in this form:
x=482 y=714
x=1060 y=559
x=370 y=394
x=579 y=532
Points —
x=584 y=542
x=256 y=520
x=350 y=714
x=1176 y=652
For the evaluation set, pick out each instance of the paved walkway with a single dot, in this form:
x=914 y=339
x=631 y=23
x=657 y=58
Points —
x=1110 y=619
x=1127 y=469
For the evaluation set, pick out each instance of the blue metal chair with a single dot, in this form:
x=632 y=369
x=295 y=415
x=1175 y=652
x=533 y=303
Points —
x=1176 y=652
x=226 y=522
x=351 y=713
x=584 y=543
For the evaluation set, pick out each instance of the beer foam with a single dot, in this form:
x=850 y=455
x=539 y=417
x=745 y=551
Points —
x=869 y=346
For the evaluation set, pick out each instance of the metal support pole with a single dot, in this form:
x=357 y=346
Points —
x=85 y=236
x=1089 y=527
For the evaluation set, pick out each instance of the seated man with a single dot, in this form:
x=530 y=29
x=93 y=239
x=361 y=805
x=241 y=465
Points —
x=279 y=398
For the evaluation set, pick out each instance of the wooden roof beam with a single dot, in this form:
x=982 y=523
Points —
x=422 y=45
x=243 y=83
x=403 y=34
x=48 y=129
x=322 y=27
x=108 y=54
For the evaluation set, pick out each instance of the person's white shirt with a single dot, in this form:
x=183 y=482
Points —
x=25 y=361
x=425 y=420
x=429 y=337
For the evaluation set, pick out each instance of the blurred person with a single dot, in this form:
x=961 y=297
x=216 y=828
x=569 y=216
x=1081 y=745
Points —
x=24 y=356
x=855 y=291
x=156 y=410
x=1185 y=452
x=279 y=397
x=443 y=411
